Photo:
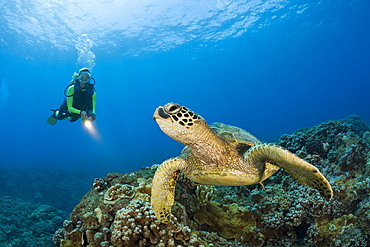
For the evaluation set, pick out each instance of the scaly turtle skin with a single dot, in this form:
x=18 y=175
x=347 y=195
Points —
x=220 y=154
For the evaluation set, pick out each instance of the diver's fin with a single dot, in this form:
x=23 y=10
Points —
x=52 y=119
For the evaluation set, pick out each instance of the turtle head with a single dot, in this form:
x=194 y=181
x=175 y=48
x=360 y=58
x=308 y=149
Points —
x=178 y=122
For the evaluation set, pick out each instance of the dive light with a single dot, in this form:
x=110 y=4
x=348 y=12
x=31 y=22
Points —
x=87 y=122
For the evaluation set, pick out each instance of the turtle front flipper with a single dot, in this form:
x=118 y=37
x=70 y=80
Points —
x=163 y=188
x=301 y=170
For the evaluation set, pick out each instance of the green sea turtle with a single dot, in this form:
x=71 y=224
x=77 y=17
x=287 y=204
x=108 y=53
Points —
x=220 y=154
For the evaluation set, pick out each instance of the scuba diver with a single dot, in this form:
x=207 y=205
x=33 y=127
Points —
x=79 y=101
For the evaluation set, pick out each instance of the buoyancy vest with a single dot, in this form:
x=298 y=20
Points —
x=82 y=97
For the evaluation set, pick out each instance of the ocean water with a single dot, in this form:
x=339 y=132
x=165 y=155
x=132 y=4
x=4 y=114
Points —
x=270 y=67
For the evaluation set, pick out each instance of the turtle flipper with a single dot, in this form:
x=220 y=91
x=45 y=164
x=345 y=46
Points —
x=163 y=188
x=301 y=170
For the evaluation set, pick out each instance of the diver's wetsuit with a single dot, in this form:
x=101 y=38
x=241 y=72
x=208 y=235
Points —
x=83 y=99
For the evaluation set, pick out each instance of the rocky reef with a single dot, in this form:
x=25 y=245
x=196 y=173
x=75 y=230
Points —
x=282 y=212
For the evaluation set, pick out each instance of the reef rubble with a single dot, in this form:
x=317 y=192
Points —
x=282 y=212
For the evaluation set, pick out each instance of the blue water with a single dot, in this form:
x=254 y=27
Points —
x=270 y=67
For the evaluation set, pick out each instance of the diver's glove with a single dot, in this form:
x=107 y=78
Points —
x=84 y=114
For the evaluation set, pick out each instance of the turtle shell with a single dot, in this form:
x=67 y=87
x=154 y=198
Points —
x=236 y=136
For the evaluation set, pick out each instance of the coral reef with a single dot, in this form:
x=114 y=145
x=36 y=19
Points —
x=27 y=224
x=40 y=183
x=282 y=212
x=230 y=221
x=122 y=216
x=136 y=225
x=99 y=184
x=118 y=192
x=205 y=194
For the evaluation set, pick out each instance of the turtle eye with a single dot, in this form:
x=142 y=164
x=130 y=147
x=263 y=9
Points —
x=173 y=108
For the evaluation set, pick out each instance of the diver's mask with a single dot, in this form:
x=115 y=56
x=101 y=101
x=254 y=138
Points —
x=85 y=77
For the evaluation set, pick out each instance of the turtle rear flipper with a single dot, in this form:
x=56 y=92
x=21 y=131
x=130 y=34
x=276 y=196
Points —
x=163 y=188
x=301 y=170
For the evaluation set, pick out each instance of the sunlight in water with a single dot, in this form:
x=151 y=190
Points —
x=143 y=25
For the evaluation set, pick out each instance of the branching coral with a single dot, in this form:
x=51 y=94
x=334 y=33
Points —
x=205 y=194
x=136 y=225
